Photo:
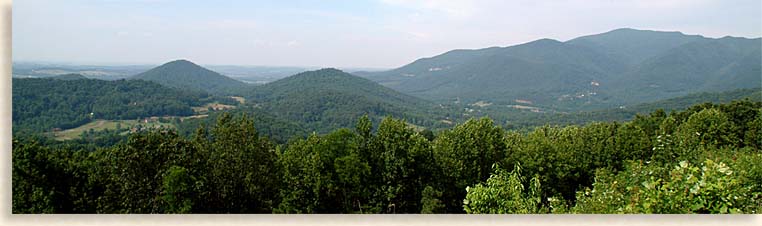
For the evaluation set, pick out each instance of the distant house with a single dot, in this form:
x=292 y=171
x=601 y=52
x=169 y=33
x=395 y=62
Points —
x=151 y=119
x=523 y=101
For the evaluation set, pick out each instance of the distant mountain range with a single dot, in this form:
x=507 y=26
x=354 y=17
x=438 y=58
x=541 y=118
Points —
x=69 y=77
x=188 y=75
x=623 y=66
x=328 y=99
x=614 y=70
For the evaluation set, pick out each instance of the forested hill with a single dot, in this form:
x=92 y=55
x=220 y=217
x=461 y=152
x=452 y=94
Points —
x=620 y=67
x=41 y=104
x=325 y=99
x=184 y=74
x=628 y=113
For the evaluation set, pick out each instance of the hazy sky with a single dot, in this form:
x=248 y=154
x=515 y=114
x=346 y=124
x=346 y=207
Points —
x=382 y=33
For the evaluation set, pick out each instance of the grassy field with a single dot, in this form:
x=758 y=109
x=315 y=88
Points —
x=239 y=99
x=99 y=125
x=215 y=106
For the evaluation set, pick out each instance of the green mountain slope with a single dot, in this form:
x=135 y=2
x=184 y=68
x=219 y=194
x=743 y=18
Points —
x=540 y=71
x=623 y=113
x=184 y=74
x=706 y=65
x=621 y=67
x=41 y=104
x=634 y=46
x=329 y=98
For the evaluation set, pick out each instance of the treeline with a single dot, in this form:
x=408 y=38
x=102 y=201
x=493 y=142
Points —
x=701 y=160
x=44 y=104
x=275 y=128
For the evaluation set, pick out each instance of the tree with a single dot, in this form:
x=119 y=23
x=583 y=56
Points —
x=711 y=187
x=178 y=190
x=504 y=192
x=405 y=159
x=323 y=175
x=707 y=127
x=431 y=201
x=243 y=175
x=465 y=154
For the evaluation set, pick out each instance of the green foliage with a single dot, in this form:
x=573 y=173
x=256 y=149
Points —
x=132 y=173
x=753 y=136
x=323 y=175
x=228 y=167
x=406 y=157
x=430 y=201
x=272 y=126
x=50 y=180
x=243 y=171
x=177 y=190
x=466 y=153
x=33 y=190
x=504 y=192
x=630 y=66
x=324 y=100
x=43 y=104
x=711 y=187
x=707 y=127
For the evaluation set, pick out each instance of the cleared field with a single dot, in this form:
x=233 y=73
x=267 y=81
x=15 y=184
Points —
x=215 y=106
x=101 y=124
x=239 y=99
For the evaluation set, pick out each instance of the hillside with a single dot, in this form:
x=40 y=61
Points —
x=525 y=119
x=634 y=46
x=184 y=74
x=326 y=99
x=41 y=104
x=590 y=72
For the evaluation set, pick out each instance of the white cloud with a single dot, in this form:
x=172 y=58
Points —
x=292 y=43
x=458 y=9
x=233 y=24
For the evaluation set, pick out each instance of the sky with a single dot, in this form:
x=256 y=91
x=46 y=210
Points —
x=370 y=33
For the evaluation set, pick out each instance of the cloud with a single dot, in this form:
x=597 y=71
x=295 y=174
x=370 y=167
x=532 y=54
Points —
x=458 y=9
x=418 y=35
x=233 y=24
x=293 y=43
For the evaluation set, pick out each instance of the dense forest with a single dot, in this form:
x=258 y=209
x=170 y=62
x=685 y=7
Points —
x=69 y=101
x=620 y=67
x=703 y=159
x=328 y=99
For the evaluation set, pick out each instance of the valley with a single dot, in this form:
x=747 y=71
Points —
x=548 y=126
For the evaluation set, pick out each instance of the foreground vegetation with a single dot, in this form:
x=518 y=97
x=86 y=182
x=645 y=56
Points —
x=704 y=159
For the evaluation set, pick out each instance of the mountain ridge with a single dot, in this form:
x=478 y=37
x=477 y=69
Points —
x=323 y=99
x=188 y=75
x=586 y=72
